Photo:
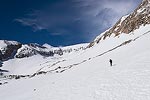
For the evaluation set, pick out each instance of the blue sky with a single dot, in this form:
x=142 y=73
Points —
x=59 y=22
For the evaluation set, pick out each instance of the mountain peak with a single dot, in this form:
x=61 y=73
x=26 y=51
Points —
x=47 y=45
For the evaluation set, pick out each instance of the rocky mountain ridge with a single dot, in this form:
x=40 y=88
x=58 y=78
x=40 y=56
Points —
x=128 y=23
x=13 y=49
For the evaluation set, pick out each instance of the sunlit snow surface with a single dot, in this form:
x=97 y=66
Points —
x=90 y=77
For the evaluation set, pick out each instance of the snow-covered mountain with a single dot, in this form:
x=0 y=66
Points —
x=85 y=73
x=33 y=49
x=31 y=57
x=13 y=49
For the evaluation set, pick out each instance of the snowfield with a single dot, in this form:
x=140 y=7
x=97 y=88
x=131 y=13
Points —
x=29 y=65
x=86 y=74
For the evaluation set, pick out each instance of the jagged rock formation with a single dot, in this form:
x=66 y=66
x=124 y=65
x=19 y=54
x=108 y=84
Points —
x=33 y=49
x=8 y=49
x=129 y=23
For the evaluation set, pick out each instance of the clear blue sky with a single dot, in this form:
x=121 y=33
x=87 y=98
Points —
x=59 y=22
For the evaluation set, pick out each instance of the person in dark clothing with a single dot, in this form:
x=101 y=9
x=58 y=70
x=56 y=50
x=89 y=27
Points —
x=110 y=62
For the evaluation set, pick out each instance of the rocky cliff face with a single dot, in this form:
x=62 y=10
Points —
x=8 y=49
x=129 y=23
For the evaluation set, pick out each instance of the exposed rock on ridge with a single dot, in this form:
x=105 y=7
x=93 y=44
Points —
x=8 y=49
x=129 y=23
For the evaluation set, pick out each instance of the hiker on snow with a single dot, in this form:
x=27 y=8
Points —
x=110 y=61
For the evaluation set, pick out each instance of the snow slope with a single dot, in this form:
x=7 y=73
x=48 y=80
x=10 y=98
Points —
x=87 y=74
x=30 y=65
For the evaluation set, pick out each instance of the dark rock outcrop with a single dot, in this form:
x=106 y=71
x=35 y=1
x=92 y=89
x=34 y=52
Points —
x=9 y=51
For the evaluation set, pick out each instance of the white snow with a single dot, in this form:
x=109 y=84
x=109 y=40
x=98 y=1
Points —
x=47 y=45
x=4 y=43
x=29 y=65
x=123 y=18
x=33 y=49
x=90 y=77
